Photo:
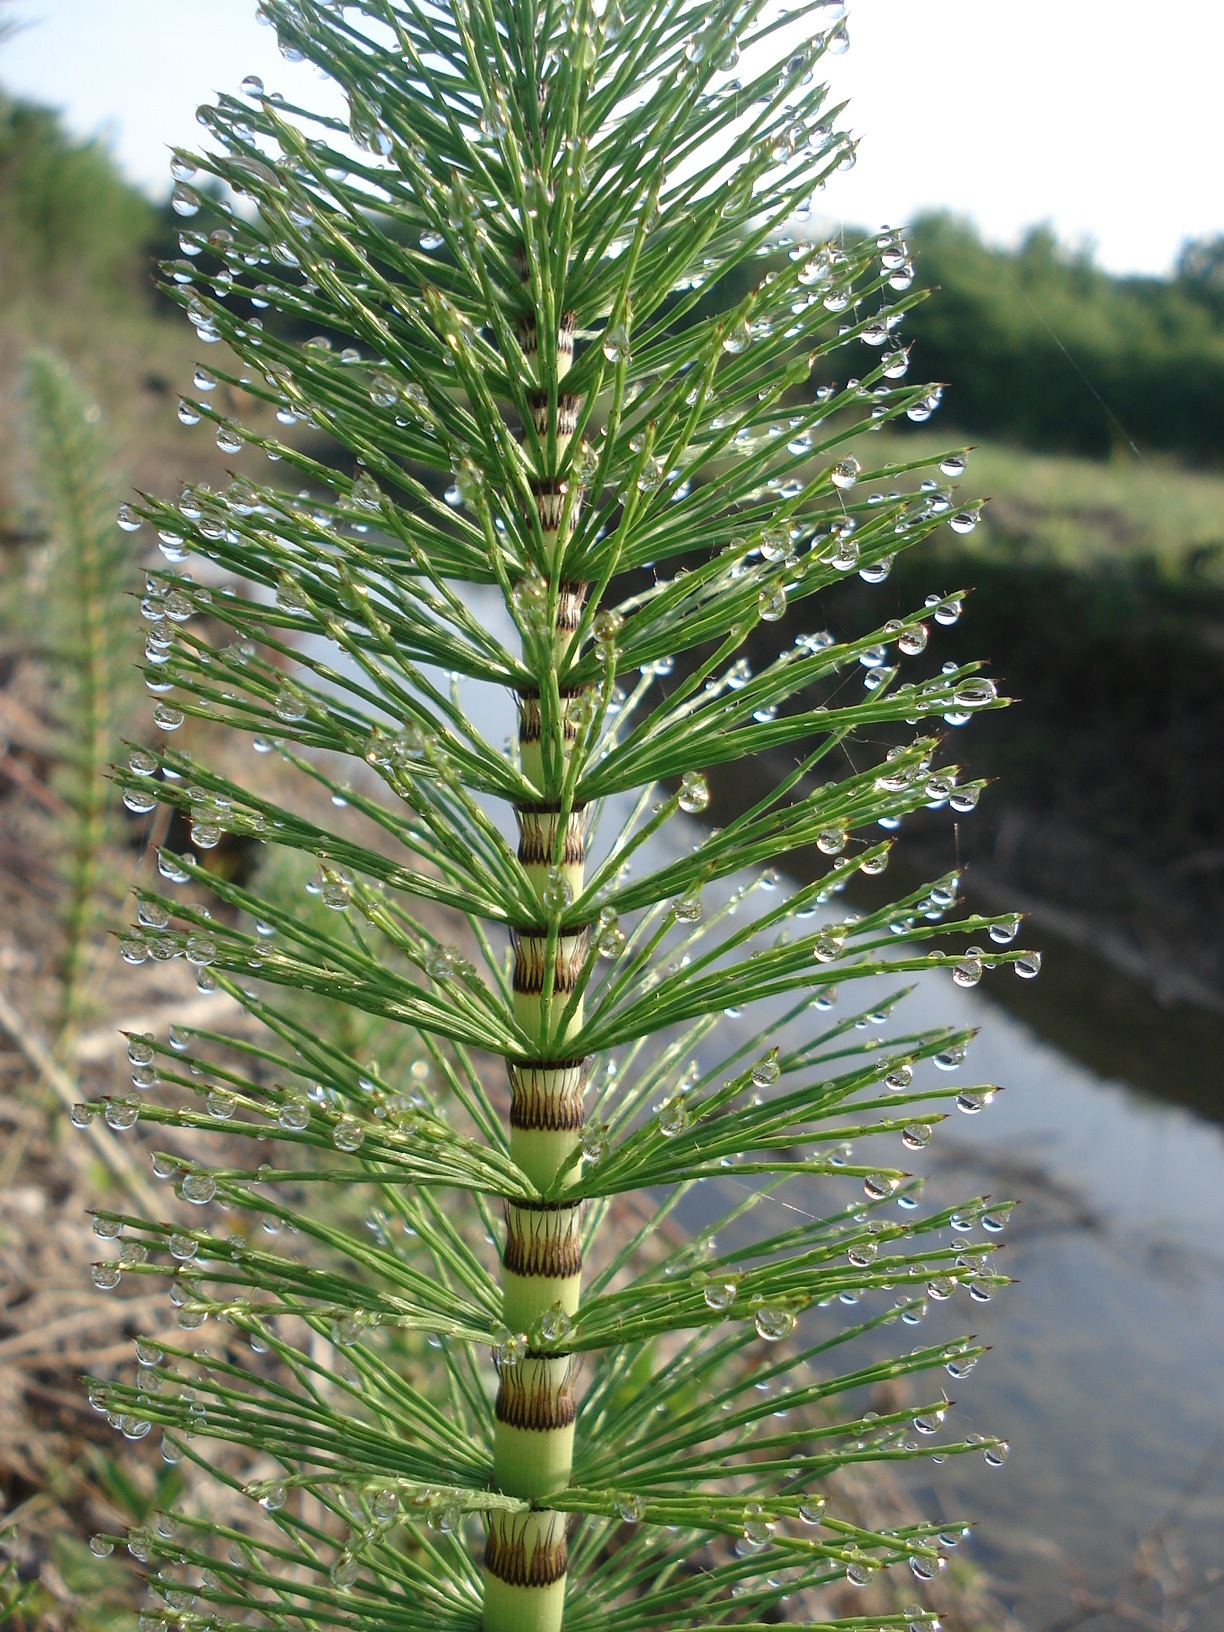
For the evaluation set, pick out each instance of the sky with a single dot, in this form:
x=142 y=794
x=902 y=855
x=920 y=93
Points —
x=1097 y=116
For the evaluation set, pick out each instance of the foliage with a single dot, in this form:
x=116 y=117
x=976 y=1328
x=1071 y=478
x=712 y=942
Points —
x=538 y=463
x=1041 y=347
x=69 y=224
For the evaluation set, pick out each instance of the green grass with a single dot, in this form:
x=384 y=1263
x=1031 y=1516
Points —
x=1083 y=514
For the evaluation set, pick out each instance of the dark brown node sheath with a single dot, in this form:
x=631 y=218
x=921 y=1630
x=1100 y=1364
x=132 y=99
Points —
x=536 y=1405
x=507 y=1558
x=547 y=1094
x=538 y=834
x=543 y=1238
x=530 y=960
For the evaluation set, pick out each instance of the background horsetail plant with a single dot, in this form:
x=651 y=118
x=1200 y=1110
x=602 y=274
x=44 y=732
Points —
x=540 y=451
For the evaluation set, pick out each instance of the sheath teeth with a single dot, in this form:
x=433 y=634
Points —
x=551 y=495
x=568 y=407
x=570 y=601
x=527 y=1549
x=531 y=719
x=531 y=960
x=537 y=1394
x=543 y=1241
x=529 y=340
x=538 y=837
x=548 y=1097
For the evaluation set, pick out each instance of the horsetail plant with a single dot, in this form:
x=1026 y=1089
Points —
x=87 y=636
x=541 y=451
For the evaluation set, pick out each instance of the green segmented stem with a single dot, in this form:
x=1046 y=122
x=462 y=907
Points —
x=525 y=1554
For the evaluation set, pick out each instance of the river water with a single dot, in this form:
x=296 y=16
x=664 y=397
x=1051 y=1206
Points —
x=1105 y=1371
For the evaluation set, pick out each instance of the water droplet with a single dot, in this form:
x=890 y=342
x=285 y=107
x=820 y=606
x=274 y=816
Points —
x=766 y=1071
x=101 y=1546
x=916 y=1136
x=294 y=1115
x=630 y=1508
x=1028 y=965
x=274 y=1497
x=198 y=1188
x=511 y=1350
x=252 y=86
x=554 y=1325
x=595 y=1141
x=184 y=200
x=719 y=1292
x=289 y=705
x=812 y=1509
x=140 y=801
x=348 y=1134
x=968 y=971
x=758 y=1528
x=166 y=717
x=878 y=1185
x=651 y=475
x=445 y=1517
x=688 y=907
x=200 y=950
x=771 y=603
x=558 y=892
x=121 y=1114
x=846 y=472
x=995 y=1455
x=673 y=1118
x=773 y=1324
x=105 y=1276
x=169 y=868
x=366 y=492
x=615 y=343
x=384 y=390
x=694 y=793
x=738 y=339
x=344 y=1571
x=335 y=894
